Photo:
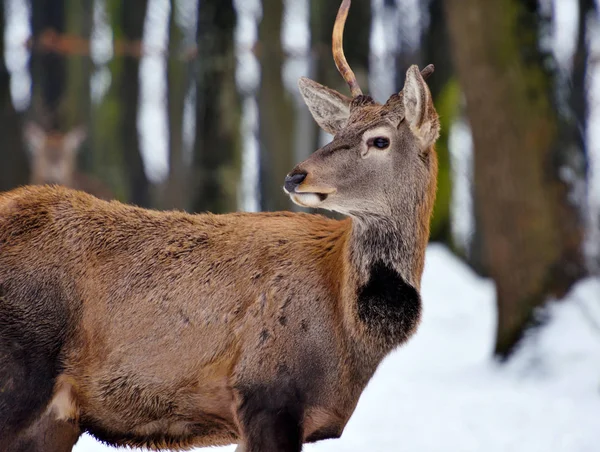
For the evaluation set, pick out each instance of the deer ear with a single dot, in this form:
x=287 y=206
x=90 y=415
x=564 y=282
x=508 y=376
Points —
x=330 y=109
x=418 y=108
x=74 y=138
x=34 y=136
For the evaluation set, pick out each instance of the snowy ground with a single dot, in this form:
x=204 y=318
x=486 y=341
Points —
x=442 y=392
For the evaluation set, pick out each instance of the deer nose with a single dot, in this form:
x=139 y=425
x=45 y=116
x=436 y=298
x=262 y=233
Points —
x=293 y=180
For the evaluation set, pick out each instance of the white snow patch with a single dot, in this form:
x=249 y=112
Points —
x=442 y=391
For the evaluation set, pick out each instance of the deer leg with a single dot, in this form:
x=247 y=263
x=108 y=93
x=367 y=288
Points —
x=270 y=420
x=47 y=434
x=30 y=343
x=25 y=383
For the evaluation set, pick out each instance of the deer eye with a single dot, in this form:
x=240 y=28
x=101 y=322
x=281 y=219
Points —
x=381 y=142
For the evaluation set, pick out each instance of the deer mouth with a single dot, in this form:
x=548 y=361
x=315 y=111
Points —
x=310 y=196
x=308 y=199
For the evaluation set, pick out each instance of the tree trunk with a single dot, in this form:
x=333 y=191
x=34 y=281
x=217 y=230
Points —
x=79 y=73
x=177 y=85
x=530 y=245
x=217 y=142
x=578 y=93
x=47 y=68
x=276 y=111
x=133 y=16
x=575 y=126
x=14 y=169
x=446 y=96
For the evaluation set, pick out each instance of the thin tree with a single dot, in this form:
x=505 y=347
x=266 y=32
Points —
x=133 y=14
x=435 y=48
x=79 y=19
x=48 y=69
x=532 y=233
x=14 y=169
x=217 y=140
x=177 y=85
x=276 y=110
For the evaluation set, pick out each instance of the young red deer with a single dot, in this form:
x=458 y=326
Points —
x=53 y=157
x=170 y=330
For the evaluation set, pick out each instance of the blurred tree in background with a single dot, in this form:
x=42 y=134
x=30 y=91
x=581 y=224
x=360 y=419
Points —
x=532 y=232
x=217 y=141
x=12 y=149
x=192 y=105
x=276 y=109
x=132 y=14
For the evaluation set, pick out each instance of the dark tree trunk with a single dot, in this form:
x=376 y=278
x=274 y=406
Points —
x=578 y=92
x=79 y=73
x=579 y=99
x=446 y=96
x=217 y=141
x=177 y=85
x=531 y=238
x=48 y=68
x=276 y=111
x=133 y=16
x=14 y=170
x=406 y=57
x=575 y=125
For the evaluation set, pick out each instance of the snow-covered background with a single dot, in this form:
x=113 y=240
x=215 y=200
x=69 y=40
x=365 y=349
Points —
x=443 y=392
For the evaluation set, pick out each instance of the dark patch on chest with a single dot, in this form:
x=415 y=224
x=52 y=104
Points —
x=389 y=306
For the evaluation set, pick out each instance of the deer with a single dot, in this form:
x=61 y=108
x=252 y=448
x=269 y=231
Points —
x=53 y=159
x=173 y=330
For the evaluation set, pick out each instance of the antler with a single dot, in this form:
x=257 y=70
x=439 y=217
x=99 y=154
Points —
x=338 y=51
x=427 y=71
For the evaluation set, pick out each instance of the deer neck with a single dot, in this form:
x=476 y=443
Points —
x=387 y=242
x=385 y=258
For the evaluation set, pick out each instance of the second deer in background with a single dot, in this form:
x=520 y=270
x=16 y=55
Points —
x=53 y=160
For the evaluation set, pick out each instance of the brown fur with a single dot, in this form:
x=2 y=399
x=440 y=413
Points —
x=170 y=330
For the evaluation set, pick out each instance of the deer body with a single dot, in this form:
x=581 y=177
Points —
x=134 y=288
x=170 y=330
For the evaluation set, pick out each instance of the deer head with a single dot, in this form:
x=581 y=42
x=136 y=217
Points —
x=53 y=154
x=381 y=159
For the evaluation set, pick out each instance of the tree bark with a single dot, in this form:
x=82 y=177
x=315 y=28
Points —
x=177 y=85
x=446 y=97
x=133 y=17
x=48 y=70
x=79 y=73
x=531 y=246
x=217 y=142
x=276 y=111
x=578 y=92
x=14 y=169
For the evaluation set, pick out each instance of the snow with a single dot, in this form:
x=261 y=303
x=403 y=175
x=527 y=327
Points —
x=443 y=391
